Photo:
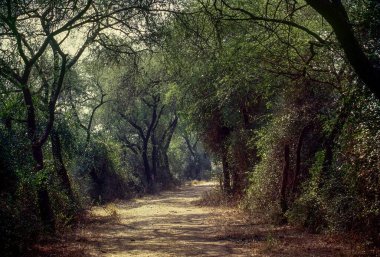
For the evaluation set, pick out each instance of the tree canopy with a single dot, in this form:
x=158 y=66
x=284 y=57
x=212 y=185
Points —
x=107 y=99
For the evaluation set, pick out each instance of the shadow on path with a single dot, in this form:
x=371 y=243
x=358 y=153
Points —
x=172 y=225
x=168 y=224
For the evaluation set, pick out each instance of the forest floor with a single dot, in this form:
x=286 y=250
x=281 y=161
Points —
x=173 y=224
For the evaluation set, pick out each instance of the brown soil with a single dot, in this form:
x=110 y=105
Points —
x=172 y=224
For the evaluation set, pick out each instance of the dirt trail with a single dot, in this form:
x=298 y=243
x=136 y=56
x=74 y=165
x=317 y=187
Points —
x=166 y=225
x=171 y=224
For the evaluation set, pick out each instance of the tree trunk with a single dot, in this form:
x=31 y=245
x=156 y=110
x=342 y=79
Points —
x=239 y=178
x=329 y=142
x=148 y=175
x=226 y=175
x=43 y=201
x=154 y=156
x=37 y=156
x=238 y=182
x=297 y=171
x=163 y=148
x=336 y=15
x=235 y=182
x=167 y=166
x=46 y=211
x=198 y=167
x=166 y=161
x=59 y=164
x=165 y=174
x=97 y=188
x=284 y=185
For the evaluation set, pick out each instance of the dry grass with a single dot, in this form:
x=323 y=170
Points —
x=213 y=198
x=111 y=211
x=263 y=239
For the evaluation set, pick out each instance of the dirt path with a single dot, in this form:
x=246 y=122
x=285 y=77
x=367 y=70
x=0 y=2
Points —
x=171 y=224
x=166 y=225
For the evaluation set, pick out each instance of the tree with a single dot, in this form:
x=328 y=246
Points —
x=30 y=50
x=334 y=12
x=336 y=15
x=36 y=32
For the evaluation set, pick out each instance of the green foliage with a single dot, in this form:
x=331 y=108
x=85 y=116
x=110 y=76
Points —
x=346 y=199
x=101 y=173
x=235 y=86
x=262 y=196
x=309 y=209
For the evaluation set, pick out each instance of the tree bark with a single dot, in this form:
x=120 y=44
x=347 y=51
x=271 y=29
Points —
x=154 y=156
x=43 y=200
x=226 y=174
x=45 y=208
x=164 y=147
x=284 y=185
x=329 y=143
x=145 y=138
x=59 y=164
x=335 y=14
x=148 y=174
x=166 y=166
x=297 y=171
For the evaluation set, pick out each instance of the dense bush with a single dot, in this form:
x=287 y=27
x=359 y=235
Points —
x=343 y=198
x=102 y=174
